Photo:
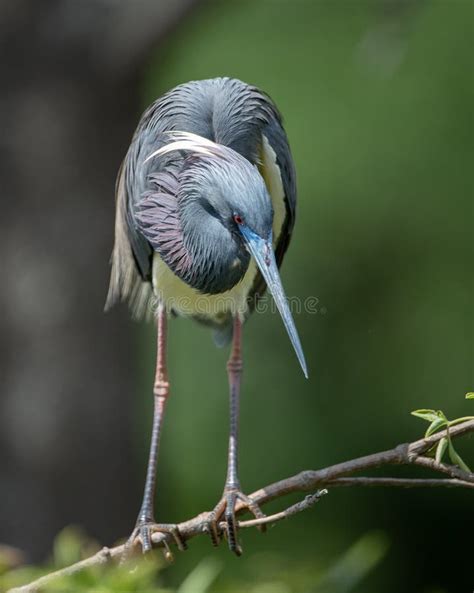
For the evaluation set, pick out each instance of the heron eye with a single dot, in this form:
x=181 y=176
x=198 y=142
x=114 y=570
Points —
x=238 y=219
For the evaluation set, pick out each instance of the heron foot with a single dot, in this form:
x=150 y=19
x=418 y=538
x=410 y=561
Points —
x=145 y=528
x=225 y=510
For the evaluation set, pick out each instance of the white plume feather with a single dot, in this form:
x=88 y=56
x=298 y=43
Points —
x=188 y=141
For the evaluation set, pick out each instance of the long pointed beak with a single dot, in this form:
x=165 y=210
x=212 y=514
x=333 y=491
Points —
x=262 y=252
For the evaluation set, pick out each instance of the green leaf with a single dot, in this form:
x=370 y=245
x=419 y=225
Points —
x=459 y=420
x=201 y=577
x=456 y=459
x=68 y=546
x=358 y=561
x=441 y=448
x=435 y=426
x=470 y=395
x=428 y=415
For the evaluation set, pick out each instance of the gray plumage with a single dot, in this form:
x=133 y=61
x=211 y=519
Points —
x=180 y=204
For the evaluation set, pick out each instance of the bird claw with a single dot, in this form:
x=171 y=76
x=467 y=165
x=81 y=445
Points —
x=226 y=508
x=144 y=531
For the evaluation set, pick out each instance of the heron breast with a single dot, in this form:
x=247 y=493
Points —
x=184 y=300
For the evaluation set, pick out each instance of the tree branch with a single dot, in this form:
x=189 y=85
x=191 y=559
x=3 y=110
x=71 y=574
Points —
x=335 y=475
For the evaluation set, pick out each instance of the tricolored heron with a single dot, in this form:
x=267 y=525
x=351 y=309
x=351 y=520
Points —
x=206 y=199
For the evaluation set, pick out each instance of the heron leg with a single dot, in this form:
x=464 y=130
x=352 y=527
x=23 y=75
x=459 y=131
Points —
x=146 y=524
x=226 y=507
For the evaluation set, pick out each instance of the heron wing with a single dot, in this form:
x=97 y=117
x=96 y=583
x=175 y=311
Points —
x=278 y=171
x=131 y=256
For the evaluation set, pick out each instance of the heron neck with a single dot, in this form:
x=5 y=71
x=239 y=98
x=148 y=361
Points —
x=218 y=259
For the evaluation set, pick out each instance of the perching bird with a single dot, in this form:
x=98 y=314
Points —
x=206 y=200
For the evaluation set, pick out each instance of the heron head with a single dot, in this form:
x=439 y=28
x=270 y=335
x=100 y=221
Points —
x=231 y=192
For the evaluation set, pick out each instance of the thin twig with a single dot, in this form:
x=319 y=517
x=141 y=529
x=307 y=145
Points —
x=335 y=475
x=302 y=505
x=445 y=468
x=401 y=482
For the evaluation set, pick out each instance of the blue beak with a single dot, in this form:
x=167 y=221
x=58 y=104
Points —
x=262 y=251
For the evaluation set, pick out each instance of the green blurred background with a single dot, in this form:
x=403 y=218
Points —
x=377 y=102
x=377 y=99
